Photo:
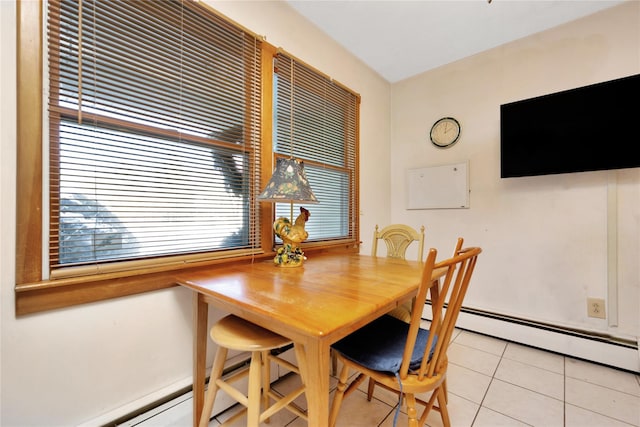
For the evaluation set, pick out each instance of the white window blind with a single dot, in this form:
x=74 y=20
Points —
x=316 y=121
x=154 y=130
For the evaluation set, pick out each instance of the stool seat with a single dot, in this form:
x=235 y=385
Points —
x=235 y=333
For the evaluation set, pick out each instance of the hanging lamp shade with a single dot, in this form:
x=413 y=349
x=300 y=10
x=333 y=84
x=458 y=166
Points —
x=288 y=184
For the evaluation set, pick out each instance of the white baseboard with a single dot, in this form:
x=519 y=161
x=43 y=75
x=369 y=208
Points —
x=223 y=401
x=580 y=345
x=134 y=406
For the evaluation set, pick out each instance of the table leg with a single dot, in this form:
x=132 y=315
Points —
x=317 y=363
x=200 y=317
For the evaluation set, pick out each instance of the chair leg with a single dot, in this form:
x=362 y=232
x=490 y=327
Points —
x=339 y=395
x=370 y=388
x=301 y=358
x=266 y=381
x=411 y=410
x=334 y=363
x=216 y=372
x=442 y=405
x=253 y=407
x=437 y=393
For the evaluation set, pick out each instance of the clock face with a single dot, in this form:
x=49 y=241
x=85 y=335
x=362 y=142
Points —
x=445 y=132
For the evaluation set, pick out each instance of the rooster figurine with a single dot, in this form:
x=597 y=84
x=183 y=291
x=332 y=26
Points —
x=290 y=254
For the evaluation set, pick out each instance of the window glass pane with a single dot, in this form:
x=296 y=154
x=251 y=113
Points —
x=318 y=126
x=316 y=122
x=326 y=222
x=125 y=195
x=155 y=63
x=155 y=131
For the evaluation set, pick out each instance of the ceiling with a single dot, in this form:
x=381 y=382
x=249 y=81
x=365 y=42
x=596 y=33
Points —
x=399 y=39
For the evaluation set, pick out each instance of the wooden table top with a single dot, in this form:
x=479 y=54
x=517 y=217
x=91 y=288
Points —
x=327 y=298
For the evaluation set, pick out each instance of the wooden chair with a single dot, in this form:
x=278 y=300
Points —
x=398 y=237
x=372 y=383
x=403 y=357
x=232 y=332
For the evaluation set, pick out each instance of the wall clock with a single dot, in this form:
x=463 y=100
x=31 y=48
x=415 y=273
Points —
x=445 y=132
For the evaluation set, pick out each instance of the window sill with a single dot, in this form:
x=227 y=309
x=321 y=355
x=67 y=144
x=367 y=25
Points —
x=67 y=292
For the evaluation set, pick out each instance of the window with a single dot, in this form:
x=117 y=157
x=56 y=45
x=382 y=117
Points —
x=316 y=122
x=158 y=124
x=154 y=130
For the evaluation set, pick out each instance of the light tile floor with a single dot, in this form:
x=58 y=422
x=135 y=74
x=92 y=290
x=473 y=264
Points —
x=491 y=383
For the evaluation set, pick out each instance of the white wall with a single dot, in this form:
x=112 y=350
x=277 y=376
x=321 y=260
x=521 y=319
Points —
x=544 y=239
x=93 y=363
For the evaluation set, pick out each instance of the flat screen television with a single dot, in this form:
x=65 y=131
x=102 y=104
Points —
x=595 y=127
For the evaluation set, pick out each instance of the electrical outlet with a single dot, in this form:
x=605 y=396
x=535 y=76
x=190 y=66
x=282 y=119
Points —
x=595 y=308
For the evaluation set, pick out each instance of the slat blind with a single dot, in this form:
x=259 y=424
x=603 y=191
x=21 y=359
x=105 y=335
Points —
x=317 y=122
x=154 y=115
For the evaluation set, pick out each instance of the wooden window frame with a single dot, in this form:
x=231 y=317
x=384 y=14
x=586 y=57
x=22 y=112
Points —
x=33 y=293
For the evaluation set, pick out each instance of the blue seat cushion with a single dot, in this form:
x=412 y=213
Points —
x=380 y=344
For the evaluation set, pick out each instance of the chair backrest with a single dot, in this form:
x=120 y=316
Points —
x=446 y=295
x=398 y=237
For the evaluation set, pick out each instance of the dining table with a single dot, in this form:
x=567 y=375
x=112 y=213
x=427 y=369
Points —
x=314 y=305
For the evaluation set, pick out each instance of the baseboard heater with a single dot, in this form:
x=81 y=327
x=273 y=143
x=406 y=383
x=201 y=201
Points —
x=592 y=346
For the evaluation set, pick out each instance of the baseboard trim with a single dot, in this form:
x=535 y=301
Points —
x=587 y=345
x=123 y=413
x=182 y=389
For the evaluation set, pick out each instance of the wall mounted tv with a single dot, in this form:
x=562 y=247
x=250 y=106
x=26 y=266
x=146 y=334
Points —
x=595 y=127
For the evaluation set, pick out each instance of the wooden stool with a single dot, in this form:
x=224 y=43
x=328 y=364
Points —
x=234 y=333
